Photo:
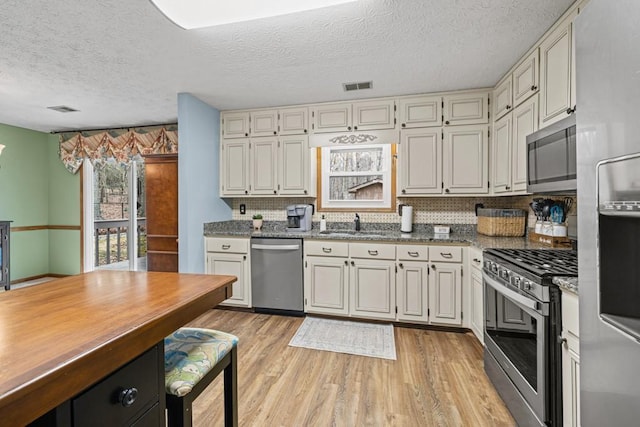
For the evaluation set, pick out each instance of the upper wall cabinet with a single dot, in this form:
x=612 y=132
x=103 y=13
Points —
x=235 y=124
x=466 y=108
x=465 y=161
x=420 y=111
x=264 y=123
x=526 y=79
x=503 y=97
x=294 y=121
x=556 y=74
x=346 y=117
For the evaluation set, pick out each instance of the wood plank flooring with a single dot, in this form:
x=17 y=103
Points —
x=438 y=380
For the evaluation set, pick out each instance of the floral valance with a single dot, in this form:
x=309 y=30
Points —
x=119 y=145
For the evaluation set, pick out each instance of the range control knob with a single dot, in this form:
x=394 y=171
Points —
x=527 y=285
x=517 y=281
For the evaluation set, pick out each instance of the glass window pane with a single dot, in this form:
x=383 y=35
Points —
x=368 y=187
x=356 y=160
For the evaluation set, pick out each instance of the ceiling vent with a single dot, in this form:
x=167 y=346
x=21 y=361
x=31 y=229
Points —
x=348 y=87
x=62 y=109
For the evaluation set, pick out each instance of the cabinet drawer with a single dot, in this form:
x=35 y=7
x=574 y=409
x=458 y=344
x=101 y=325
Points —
x=314 y=247
x=475 y=258
x=413 y=252
x=101 y=402
x=570 y=313
x=445 y=254
x=372 y=250
x=229 y=245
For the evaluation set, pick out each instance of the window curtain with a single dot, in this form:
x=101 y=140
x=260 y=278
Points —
x=116 y=145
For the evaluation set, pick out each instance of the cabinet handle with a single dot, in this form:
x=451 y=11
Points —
x=353 y=263
x=447 y=255
x=326 y=250
x=413 y=254
x=348 y=127
x=476 y=260
x=128 y=396
x=447 y=122
x=446 y=190
x=225 y=247
x=507 y=188
x=403 y=125
x=508 y=107
x=571 y=110
x=534 y=87
x=561 y=340
x=400 y=265
x=373 y=253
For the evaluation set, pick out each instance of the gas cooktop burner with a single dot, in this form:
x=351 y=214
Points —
x=542 y=262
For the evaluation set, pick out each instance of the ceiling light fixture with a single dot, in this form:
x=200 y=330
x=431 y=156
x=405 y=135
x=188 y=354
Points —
x=207 y=13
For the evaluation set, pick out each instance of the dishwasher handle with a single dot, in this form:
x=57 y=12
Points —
x=276 y=247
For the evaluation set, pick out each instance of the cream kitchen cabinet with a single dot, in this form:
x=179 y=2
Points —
x=230 y=256
x=465 y=160
x=570 y=360
x=263 y=123
x=557 y=75
x=526 y=78
x=326 y=277
x=264 y=166
x=235 y=124
x=420 y=162
x=509 y=148
x=347 y=117
x=420 y=111
x=412 y=283
x=476 y=294
x=445 y=287
x=372 y=280
x=503 y=97
x=294 y=166
x=294 y=121
x=234 y=167
x=466 y=108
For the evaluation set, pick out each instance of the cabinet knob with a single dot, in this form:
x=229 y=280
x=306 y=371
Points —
x=305 y=191
x=348 y=127
x=346 y=262
x=305 y=131
x=246 y=134
x=561 y=340
x=401 y=265
x=447 y=122
x=403 y=125
x=353 y=263
x=404 y=191
x=571 y=110
x=534 y=87
x=275 y=133
x=275 y=192
x=446 y=190
x=246 y=192
x=507 y=188
x=355 y=128
x=433 y=266
x=508 y=107
x=128 y=396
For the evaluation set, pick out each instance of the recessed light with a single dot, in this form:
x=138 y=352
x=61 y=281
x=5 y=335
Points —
x=62 y=109
x=348 y=87
x=207 y=13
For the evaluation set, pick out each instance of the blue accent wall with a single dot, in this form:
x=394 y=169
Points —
x=198 y=179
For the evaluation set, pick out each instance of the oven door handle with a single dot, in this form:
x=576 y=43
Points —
x=512 y=295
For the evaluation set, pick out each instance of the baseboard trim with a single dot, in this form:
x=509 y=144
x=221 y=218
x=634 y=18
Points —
x=45 y=227
x=39 y=276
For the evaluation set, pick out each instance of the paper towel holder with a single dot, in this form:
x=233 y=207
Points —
x=400 y=206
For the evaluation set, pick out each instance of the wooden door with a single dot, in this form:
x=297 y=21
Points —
x=161 y=174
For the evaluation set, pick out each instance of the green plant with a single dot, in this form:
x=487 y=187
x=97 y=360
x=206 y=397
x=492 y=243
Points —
x=257 y=216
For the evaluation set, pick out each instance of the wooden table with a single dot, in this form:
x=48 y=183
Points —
x=59 y=338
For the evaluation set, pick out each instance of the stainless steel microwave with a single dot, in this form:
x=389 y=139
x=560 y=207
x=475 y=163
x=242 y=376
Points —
x=551 y=158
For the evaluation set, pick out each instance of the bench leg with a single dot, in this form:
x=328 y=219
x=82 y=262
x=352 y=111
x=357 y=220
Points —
x=179 y=412
x=231 y=392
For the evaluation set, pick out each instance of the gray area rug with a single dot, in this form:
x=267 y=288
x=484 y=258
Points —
x=341 y=336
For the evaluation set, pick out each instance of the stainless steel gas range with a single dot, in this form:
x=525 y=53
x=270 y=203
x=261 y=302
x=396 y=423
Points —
x=522 y=325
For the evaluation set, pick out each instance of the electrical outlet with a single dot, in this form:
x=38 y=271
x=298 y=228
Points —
x=243 y=209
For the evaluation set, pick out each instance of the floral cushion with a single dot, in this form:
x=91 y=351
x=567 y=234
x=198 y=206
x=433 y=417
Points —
x=189 y=353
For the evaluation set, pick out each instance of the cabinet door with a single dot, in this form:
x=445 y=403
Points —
x=264 y=166
x=294 y=121
x=445 y=294
x=502 y=98
x=373 y=290
x=420 y=162
x=294 y=165
x=526 y=79
x=264 y=123
x=332 y=118
x=234 y=265
x=466 y=160
x=501 y=148
x=374 y=115
x=412 y=291
x=466 y=108
x=477 y=305
x=422 y=111
x=570 y=383
x=525 y=122
x=235 y=167
x=555 y=75
x=326 y=285
x=235 y=125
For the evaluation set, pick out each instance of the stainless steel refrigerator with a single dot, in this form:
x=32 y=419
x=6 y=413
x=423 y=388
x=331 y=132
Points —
x=607 y=36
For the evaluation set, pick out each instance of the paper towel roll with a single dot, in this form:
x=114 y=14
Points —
x=407 y=219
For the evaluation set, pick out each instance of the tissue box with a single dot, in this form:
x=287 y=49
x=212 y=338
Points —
x=441 y=229
x=501 y=222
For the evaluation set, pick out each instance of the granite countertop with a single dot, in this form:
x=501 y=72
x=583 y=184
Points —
x=567 y=283
x=462 y=234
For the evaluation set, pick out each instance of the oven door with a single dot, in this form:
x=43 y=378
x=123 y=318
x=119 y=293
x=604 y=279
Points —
x=516 y=336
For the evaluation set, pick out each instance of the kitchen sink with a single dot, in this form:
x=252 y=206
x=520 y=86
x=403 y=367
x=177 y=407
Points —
x=349 y=233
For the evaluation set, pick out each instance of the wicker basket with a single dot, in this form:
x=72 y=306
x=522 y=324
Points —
x=501 y=222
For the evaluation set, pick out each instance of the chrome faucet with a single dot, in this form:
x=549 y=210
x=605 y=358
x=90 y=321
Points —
x=357 y=222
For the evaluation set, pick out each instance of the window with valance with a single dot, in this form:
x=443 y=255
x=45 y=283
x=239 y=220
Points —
x=119 y=145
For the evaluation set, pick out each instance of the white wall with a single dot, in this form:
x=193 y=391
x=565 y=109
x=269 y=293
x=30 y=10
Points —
x=198 y=179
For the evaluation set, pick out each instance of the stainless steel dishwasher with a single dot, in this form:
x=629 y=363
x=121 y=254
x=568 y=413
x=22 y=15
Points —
x=277 y=276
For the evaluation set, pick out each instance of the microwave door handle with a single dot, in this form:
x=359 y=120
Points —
x=512 y=295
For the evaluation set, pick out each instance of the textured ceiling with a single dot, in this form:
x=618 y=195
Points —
x=121 y=63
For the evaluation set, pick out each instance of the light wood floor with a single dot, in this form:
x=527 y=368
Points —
x=438 y=380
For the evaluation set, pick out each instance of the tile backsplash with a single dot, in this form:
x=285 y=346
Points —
x=432 y=210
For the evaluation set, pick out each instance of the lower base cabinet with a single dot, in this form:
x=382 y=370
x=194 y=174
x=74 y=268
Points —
x=445 y=294
x=412 y=282
x=373 y=288
x=476 y=294
x=326 y=285
x=570 y=361
x=230 y=256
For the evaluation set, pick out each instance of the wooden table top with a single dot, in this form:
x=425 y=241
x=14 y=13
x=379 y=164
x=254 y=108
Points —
x=58 y=338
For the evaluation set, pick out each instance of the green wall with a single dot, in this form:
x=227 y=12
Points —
x=36 y=190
